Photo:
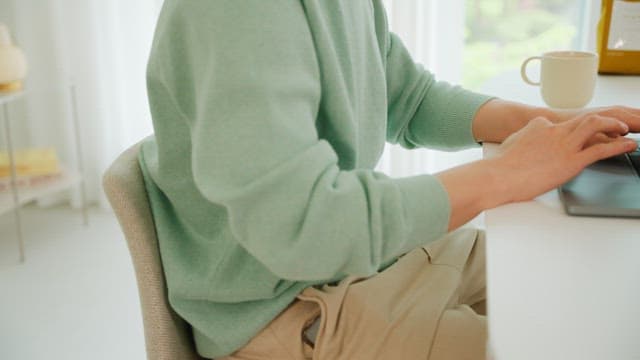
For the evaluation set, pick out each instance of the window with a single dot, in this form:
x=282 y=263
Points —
x=469 y=42
x=500 y=34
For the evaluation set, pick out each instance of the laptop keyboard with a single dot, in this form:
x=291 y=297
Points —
x=635 y=160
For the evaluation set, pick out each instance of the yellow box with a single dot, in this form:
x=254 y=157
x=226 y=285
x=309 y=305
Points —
x=619 y=37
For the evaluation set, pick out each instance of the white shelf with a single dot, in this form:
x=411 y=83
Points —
x=26 y=194
x=6 y=98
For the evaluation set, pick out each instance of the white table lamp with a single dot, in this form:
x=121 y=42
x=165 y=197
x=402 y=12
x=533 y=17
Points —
x=13 y=64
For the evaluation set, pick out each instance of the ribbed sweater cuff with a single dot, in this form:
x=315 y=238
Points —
x=447 y=117
x=427 y=209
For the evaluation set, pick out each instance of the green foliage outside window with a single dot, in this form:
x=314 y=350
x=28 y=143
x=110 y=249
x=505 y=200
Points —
x=500 y=34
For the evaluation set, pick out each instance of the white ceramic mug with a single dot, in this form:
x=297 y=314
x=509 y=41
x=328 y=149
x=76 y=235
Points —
x=567 y=78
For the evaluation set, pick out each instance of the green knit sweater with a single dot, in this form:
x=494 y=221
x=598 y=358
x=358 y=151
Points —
x=269 y=119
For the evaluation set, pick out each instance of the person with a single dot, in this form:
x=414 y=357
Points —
x=269 y=119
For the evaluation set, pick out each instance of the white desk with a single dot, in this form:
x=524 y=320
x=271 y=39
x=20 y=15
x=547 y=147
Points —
x=562 y=287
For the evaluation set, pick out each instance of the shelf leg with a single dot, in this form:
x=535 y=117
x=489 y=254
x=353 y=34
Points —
x=76 y=125
x=14 y=183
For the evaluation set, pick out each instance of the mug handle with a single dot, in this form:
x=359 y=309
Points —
x=523 y=71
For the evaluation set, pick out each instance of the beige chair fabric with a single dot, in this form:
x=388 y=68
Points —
x=167 y=336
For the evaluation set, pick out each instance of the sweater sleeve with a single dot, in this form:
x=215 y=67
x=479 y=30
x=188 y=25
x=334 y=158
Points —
x=246 y=80
x=424 y=112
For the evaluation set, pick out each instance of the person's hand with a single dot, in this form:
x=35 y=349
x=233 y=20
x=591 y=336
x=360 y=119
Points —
x=497 y=119
x=544 y=155
x=628 y=115
x=535 y=156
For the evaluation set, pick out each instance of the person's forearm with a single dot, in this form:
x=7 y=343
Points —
x=541 y=156
x=497 y=119
x=472 y=188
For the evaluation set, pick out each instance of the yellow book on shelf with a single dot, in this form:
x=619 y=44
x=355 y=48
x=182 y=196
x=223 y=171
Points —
x=30 y=162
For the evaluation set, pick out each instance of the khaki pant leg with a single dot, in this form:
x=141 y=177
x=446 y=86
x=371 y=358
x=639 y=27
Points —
x=473 y=286
x=283 y=338
x=465 y=250
x=416 y=309
x=462 y=329
x=462 y=335
x=409 y=310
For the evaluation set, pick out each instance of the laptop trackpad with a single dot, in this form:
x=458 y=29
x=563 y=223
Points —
x=608 y=188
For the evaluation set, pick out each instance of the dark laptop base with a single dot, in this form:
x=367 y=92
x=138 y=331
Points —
x=609 y=188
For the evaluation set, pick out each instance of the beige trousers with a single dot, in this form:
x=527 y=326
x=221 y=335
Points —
x=430 y=304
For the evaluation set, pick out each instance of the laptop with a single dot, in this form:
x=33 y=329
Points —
x=609 y=188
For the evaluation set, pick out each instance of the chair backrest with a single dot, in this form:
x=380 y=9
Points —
x=167 y=336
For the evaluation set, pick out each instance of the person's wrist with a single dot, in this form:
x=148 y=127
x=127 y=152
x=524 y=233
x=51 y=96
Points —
x=559 y=116
x=499 y=182
x=493 y=183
